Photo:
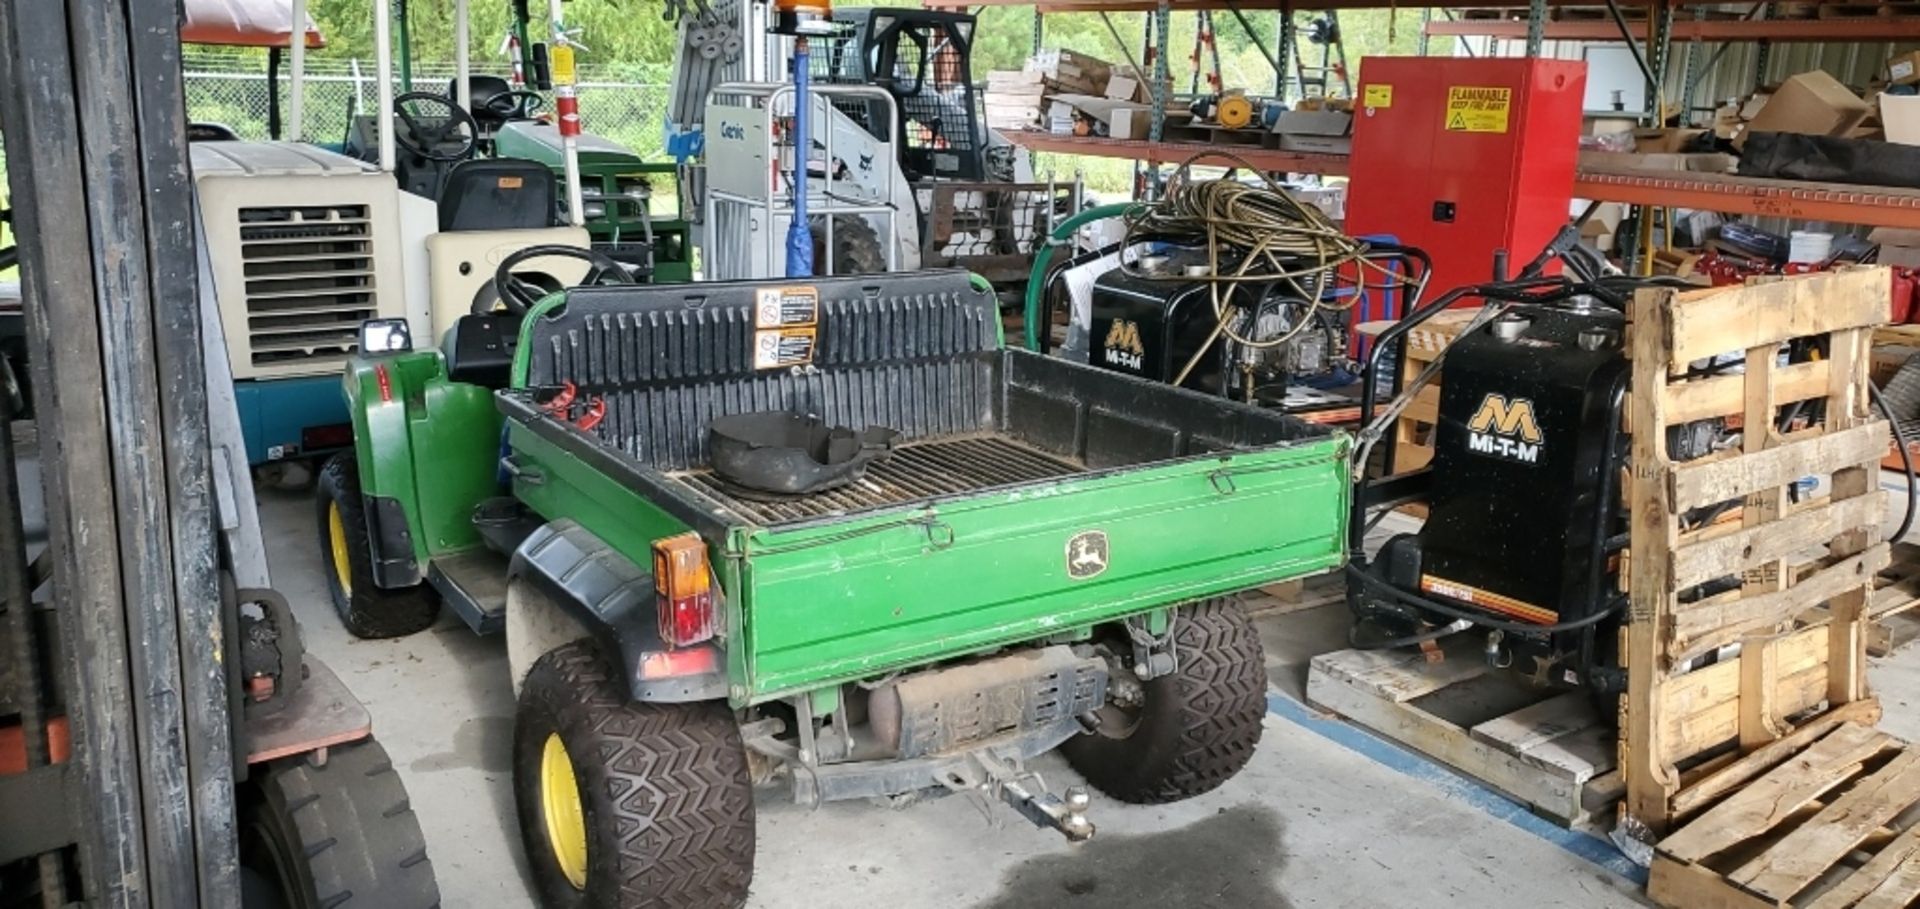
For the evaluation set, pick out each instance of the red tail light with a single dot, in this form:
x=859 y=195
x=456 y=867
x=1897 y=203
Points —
x=685 y=590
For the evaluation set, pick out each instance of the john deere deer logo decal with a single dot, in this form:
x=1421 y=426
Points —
x=1086 y=554
x=1505 y=429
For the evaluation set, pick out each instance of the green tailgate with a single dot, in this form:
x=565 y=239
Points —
x=854 y=598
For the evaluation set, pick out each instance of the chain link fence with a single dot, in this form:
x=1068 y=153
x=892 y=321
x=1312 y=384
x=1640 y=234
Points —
x=630 y=113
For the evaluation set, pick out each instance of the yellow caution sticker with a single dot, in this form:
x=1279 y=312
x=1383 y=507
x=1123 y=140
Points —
x=1377 y=96
x=1478 y=109
x=560 y=61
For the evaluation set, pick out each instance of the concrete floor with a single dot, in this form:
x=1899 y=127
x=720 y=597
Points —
x=1324 y=816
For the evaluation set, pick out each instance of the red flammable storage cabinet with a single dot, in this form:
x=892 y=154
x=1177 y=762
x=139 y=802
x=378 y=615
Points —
x=1465 y=156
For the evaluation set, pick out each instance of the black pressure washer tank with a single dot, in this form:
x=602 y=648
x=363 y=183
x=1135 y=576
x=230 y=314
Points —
x=1525 y=486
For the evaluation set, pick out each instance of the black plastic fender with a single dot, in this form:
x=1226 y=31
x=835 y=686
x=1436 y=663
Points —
x=614 y=599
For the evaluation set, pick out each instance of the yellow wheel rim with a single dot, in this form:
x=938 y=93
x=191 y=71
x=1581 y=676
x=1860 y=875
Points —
x=560 y=803
x=337 y=541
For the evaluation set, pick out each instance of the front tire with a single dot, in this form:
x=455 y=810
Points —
x=625 y=804
x=1191 y=730
x=338 y=832
x=366 y=609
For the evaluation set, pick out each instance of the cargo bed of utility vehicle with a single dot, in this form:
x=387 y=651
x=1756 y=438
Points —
x=961 y=540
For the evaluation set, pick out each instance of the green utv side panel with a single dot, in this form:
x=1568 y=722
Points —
x=861 y=597
x=430 y=443
x=620 y=516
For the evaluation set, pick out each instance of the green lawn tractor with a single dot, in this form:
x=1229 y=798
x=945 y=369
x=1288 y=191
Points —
x=832 y=535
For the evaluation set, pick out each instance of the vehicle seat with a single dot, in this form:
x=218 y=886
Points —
x=211 y=132
x=482 y=88
x=498 y=194
x=479 y=349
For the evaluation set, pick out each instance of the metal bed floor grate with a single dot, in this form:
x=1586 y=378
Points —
x=917 y=470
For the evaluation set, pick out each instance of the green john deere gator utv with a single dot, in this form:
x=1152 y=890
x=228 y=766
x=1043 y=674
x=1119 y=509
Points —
x=1033 y=554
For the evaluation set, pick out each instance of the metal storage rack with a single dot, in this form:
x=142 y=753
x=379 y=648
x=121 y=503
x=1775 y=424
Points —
x=1837 y=203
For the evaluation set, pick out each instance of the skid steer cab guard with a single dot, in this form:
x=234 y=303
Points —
x=1045 y=558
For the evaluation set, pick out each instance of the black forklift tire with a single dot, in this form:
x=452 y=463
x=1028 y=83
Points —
x=662 y=813
x=1197 y=726
x=857 y=249
x=346 y=555
x=335 y=832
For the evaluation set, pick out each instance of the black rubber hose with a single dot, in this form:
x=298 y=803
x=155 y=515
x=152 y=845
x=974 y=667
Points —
x=1354 y=641
x=1361 y=575
x=1906 y=460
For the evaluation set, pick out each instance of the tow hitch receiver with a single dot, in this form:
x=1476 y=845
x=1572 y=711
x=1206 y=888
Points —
x=1044 y=809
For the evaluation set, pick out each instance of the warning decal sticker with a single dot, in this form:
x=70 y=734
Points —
x=1377 y=96
x=778 y=348
x=1472 y=109
x=786 y=307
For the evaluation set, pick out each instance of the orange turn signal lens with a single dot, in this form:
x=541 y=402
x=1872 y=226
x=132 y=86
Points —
x=684 y=588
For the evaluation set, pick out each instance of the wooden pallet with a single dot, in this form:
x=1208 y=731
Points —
x=1688 y=715
x=1819 y=824
x=1551 y=751
x=1289 y=597
x=1891 y=607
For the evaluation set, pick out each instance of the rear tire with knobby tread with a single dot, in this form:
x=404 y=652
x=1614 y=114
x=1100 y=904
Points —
x=1198 y=726
x=336 y=833
x=366 y=609
x=857 y=248
x=664 y=789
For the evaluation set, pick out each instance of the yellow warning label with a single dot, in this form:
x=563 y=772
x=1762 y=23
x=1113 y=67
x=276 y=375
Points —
x=1473 y=109
x=1377 y=96
x=561 y=62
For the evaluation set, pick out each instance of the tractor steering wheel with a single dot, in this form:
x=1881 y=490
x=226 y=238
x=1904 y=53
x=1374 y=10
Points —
x=517 y=104
x=517 y=295
x=426 y=137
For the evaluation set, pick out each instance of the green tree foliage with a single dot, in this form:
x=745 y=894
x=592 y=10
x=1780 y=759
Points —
x=631 y=38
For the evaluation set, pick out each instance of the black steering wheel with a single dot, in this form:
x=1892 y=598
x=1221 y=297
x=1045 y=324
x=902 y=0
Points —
x=517 y=294
x=428 y=136
x=517 y=104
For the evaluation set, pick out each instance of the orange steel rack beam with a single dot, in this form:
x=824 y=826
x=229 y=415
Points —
x=1839 y=203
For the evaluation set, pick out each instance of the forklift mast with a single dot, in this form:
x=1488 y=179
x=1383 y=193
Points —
x=924 y=58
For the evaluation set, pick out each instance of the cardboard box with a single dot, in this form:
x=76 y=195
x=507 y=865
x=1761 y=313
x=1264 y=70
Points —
x=1705 y=163
x=1130 y=123
x=1071 y=71
x=1899 y=247
x=1812 y=103
x=1900 y=116
x=1886 y=360
x=1324 y=145
x=1904 y=69
x=1751 y=107
x=1663 y=141
x=1313 y=123
x=1605 y=220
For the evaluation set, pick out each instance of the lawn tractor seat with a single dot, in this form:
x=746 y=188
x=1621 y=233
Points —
x=498 y=194
x=491 y=208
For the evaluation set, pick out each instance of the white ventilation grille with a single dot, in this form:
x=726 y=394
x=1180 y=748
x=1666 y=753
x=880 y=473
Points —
x=309 y=282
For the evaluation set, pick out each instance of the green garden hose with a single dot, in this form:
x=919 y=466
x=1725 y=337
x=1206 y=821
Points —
x=1037 y=279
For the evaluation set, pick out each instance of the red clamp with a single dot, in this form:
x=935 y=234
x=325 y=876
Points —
x=558 y=405
x=595 y=412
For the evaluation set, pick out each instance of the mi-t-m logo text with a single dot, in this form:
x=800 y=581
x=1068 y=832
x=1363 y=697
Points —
x=1505 y=429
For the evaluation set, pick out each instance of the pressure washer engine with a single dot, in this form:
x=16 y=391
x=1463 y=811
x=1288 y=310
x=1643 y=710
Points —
x=1152 y=321
x=1526 y=526
x=1524 y=520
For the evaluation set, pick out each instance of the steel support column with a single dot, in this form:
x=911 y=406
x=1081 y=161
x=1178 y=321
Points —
x=104 y=213
x=1536 y=26
x=1162 y=86
x=1283 y=50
